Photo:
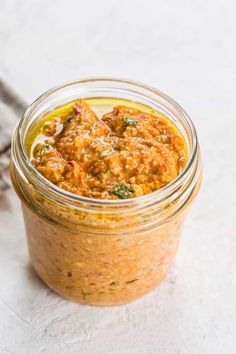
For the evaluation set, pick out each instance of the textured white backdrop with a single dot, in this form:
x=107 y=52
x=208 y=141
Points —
x=186 y=49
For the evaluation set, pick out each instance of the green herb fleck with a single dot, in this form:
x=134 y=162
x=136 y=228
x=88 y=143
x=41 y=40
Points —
x=122 y=190
x=40 y=148
x=67 y=122
x=163 y=138
x=182 y=160
x=131 y=122
x=114 y=283
x=69 y=287
x=85 y=294
x=131 y=281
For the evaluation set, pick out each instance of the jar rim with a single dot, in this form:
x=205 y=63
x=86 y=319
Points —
x=159 y=194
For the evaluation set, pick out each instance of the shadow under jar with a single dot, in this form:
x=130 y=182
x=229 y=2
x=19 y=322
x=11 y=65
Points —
x=103 y=252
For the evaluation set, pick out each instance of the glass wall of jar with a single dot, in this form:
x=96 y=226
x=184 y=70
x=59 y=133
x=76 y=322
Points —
x=103 y=252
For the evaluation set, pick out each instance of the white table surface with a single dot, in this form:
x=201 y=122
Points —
x=186 y=49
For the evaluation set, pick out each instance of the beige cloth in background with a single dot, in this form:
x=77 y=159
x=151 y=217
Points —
x=11 y=108
x=8 y=120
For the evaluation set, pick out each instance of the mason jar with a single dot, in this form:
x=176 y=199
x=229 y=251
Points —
x=94 y=251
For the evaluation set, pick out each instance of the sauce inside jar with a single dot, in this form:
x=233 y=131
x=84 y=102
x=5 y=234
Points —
x=107 y=148
x=114 y=248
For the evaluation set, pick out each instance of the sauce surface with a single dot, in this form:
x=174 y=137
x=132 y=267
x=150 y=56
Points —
x=124 y=153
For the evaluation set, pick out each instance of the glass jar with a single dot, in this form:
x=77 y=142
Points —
x=103 y=252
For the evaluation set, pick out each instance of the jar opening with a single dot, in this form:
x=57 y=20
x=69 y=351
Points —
x=107 y=87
